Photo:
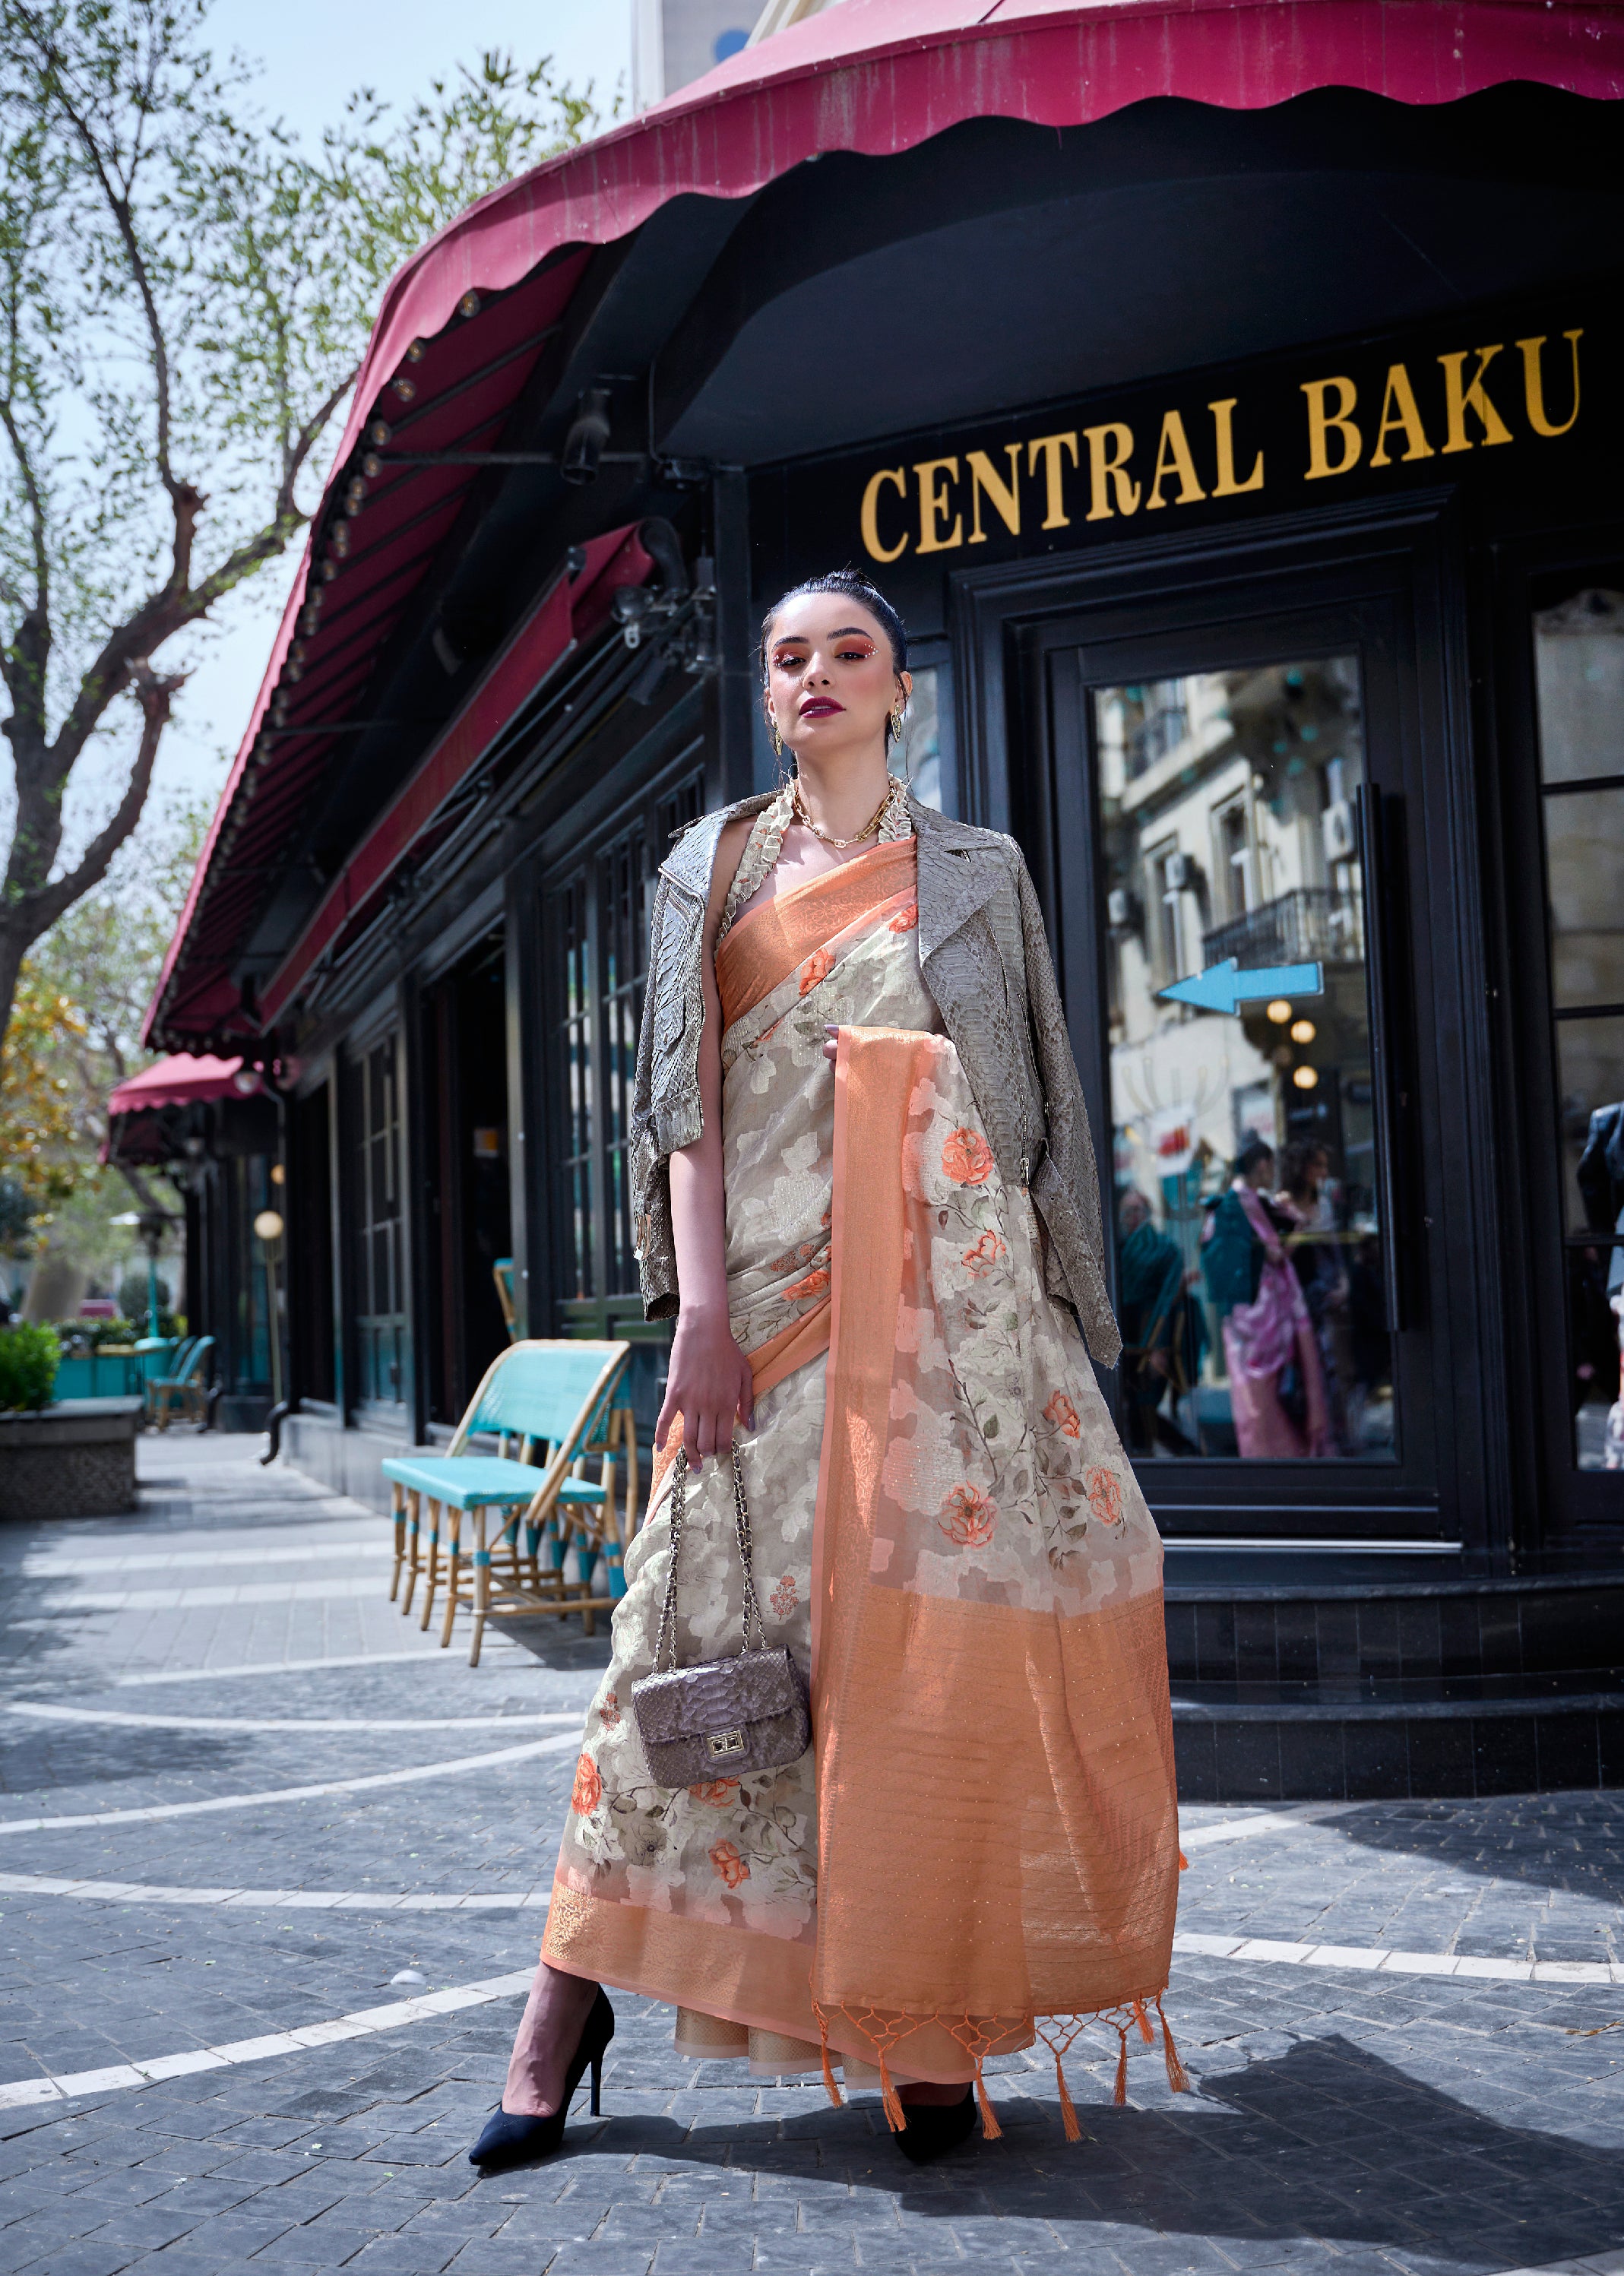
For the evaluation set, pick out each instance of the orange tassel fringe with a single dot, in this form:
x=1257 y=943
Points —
x=1068 y=2108
x=1184 y=1862
x=895 y=2113
x=1178 y=2077
x=1120 y=2096
x=835 y=2095
x=992 y=2131
x=1143 y=2022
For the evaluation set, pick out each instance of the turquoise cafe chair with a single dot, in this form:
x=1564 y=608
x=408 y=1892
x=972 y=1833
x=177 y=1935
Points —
x=549 y=1539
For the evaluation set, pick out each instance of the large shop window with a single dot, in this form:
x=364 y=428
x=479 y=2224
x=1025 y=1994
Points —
x=1579 y=658
x=597 y=946
x=379 y=1261
x=1248 y=1248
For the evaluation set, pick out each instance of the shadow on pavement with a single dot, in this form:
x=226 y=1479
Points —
x=1569 y=1842
x=1325 y=2142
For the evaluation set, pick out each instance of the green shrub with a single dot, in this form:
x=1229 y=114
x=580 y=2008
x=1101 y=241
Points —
x=28 y=1357
x=79 y=1338
x=133 y=1291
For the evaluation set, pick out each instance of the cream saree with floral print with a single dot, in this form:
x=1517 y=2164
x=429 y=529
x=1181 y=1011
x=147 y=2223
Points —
x=982 y=1846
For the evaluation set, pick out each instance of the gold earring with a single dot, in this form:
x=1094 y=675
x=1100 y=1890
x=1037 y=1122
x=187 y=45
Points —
x=897 y=718
x=778 y=739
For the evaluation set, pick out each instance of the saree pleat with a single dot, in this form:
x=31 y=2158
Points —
x=983 y=1843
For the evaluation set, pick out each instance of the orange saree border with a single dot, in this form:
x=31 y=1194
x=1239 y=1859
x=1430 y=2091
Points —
x=1013 y=1768
x=764 y=947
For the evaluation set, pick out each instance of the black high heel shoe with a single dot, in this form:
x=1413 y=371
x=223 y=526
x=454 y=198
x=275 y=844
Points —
x=935 y=2127
x=509 y=2138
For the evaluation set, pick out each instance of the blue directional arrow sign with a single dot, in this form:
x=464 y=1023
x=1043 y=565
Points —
x=1225 y=986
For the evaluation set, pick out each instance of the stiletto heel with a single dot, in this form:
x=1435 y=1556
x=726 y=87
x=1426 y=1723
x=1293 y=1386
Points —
x=510 y=2137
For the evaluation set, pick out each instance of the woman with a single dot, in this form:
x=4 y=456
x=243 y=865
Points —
x=1315 y=1252
x=865 y=1185
x=1268 y=1335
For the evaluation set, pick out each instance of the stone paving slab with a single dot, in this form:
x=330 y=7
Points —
x=1354 y=2119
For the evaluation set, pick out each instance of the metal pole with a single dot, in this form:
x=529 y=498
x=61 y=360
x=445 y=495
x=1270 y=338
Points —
x=275 y=1324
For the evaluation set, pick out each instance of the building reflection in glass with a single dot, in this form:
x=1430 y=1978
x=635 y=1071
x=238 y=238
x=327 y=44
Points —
x=1249 y=1258
x=1579 y=659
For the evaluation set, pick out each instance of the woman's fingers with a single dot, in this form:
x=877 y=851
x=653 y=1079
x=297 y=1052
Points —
x=709 y=1398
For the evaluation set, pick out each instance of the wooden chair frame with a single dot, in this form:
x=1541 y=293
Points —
x=184 y=1386
x=514 y=1561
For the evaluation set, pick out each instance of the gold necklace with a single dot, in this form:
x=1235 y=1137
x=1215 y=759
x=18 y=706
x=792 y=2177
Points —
x=840 y=844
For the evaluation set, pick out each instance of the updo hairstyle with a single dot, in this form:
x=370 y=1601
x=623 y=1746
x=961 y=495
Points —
x=856 y=587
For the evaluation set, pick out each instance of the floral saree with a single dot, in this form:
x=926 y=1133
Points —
x=982 y=1845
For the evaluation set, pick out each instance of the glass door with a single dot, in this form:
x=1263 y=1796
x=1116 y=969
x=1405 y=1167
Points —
x=1229 y=903
x=1578 y=640
x=1246 y=1215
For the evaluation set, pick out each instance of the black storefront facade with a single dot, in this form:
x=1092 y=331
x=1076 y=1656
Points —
x=1249 y=480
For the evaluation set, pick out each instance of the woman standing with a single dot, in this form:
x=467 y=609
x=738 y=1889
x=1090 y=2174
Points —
x=865 y=1187
x=1268 y=1336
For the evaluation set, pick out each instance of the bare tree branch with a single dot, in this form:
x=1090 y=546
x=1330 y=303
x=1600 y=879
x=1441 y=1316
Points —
x=184 y=293
x=155 y=692
x=119 y=206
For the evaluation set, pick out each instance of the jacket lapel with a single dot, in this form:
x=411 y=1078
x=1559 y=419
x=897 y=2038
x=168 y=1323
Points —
x=691 y=859
x=959 y=870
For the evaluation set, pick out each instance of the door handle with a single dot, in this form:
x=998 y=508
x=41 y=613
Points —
x=1372 y=813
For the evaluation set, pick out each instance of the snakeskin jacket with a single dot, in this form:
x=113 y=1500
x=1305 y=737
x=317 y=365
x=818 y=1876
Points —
x=985 y=959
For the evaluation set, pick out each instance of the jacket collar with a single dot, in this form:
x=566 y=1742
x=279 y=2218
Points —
x=693 y=857
x=959 y=870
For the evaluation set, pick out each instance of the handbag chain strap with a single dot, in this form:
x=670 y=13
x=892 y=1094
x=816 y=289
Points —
x=741 y=1528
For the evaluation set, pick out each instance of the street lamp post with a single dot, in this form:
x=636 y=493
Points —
x=269 y=1225
x=153 y=1226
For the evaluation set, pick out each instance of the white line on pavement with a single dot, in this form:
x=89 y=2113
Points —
x=52 y=1713
x=147 y=1892
x=50 y=1566
x=1376 y=1959
x=560 y=1745
x=359 y=2025
x=364 y=2022
x=1233 y=1829
x=206 y=1595
x=429 y=1654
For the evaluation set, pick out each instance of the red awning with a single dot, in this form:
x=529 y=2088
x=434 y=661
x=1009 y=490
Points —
x=875 y=76
x=569 y=610
x=182 y=1080
x=880 y=76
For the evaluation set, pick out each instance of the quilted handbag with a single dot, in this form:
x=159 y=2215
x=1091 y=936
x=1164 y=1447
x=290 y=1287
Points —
x=720 y=1718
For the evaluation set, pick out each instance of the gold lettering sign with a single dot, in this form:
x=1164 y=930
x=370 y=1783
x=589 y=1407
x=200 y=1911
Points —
x=1533 y=389
x=1465 y=399
x=879 y=551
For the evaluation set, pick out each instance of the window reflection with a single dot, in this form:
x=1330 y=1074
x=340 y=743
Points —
x=920 y=757
x=1579 y=660
x=1249 y=1262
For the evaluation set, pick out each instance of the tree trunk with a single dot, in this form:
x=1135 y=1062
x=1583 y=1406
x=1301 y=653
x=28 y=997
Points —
x=15 y=942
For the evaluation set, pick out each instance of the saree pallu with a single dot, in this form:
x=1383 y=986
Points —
x=982 y=1846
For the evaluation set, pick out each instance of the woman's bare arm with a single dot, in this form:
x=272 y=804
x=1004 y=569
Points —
x=710 y=1380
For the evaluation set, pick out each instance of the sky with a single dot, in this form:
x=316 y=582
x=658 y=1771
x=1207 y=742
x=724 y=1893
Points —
x=313 y=53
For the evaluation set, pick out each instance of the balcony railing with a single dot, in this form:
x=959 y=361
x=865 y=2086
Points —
x=1314 y=924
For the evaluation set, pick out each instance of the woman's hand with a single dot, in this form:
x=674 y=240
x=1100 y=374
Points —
x=833 y=1046
x=709 y=1385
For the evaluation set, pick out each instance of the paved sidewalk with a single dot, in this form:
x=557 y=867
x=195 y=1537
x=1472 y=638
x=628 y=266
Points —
x=240 y=1797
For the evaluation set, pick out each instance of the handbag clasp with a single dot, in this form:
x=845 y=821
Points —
x=725 y=1742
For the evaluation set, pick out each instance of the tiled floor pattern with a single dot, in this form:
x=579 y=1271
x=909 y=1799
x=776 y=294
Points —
x=1404 y=2023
